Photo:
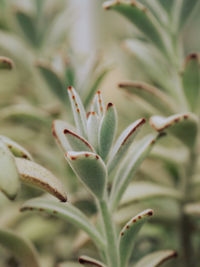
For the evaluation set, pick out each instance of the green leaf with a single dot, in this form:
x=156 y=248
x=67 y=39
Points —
x=93 y=129
x=88 y=261
x=107 y=130
x=35 y=175
x=9 y=177
x=129 y=166
x=191 y=80
x=123 y=143
x=98 y=104
x=141 y=17
x=91 y=170
x=185 y=11
x=156 y=98
x=78 y=112
x=192 y=209
x=183 y=126
x=20 y=247
x=139 y=191
x=16 y=149
x=129 y=233
x=6 y=63
x=155 y=259
x=66 y=212
x=76 y=142
x=53 y=81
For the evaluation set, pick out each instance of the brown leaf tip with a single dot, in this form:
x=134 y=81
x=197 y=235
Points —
x=109 y=105
x=69 y=88
x=150 y=213
x=66 y=131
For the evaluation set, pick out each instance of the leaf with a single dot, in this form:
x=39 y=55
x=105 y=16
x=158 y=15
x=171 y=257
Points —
x=139 y=191
x=76 y=142
x=9 y=177
x=35 y=175
x=91 y=170
x=98 y=104
x=6 y=63
x=123 y=143
x=53 y=81
x=107 y=130
x=21 y=248
x=192 y=209
x=155 y=259
x=78 y=112
x=66 y=212
x=141 y=17
x=88 y=261
x=185 y=11
x=191 y=80
x=93 y=128
x=129 y=233
x=158 y=99
x=183 y=126
x=16 y=149
x=68 y=264
x=129 y=166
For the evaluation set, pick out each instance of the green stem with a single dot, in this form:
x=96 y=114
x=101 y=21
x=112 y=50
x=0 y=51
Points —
x=110 y=235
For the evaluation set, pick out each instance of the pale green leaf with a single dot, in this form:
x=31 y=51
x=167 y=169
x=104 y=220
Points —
x=90 y=262
x=93 y=128
x=129 y=233
x=98 y=104
x=20 y=247
x=66 y=212
x=107 y=130
x=91 y=170
x=35 y=175
x=186 y=9
x=155 y=259
x=9 y=177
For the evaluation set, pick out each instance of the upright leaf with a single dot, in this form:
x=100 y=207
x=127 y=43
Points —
x=93 y=128
x=91 y=170
x=78 y=112
x=129 y=233
x=9 y=177
x=35 y=175
x=98 y=104
x=66 y=212
x=20 y=247
x=107 y=130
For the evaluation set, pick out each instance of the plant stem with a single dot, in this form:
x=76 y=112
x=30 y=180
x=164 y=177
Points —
x=110 y=235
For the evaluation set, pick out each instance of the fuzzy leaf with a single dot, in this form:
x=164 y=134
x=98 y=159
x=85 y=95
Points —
x=76 y=142
x=90 y=262
x=141 y=17
x=192 y=209
x=129 y=233
x=20 y=247
x=158 y=99
x=54 y=82
x=66 y=212
x=155 y=259
x=6 y=63
x=78 y=112
x=93 y=128
x=183 y=126
x=186 y=9
x=98 y=104
x=139 y=191
x=9 y=177
x=129 y=166
x=123 y=143
x=191 y=80
x=107 y=130
x=91 y=170
x=16 y=149
x=35 y=175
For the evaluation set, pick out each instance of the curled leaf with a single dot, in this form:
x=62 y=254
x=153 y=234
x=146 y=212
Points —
x=35 y=175
x=6 y=63
x=91 y=170
x=88 y=261
x=129 y=233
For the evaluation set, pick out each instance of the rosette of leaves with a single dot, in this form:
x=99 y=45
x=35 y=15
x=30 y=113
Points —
x=105 y=166
x=172 y=91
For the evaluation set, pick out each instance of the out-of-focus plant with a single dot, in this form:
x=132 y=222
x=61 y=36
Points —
x=90 y=152
x=172 y=88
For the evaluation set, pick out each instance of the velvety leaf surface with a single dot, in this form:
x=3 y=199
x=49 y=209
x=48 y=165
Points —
x=20 y=247
x=36 y=175
x=93 y=128
x=9 y=177
x=129 y=233
x=91 y=170
x=98 y=104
